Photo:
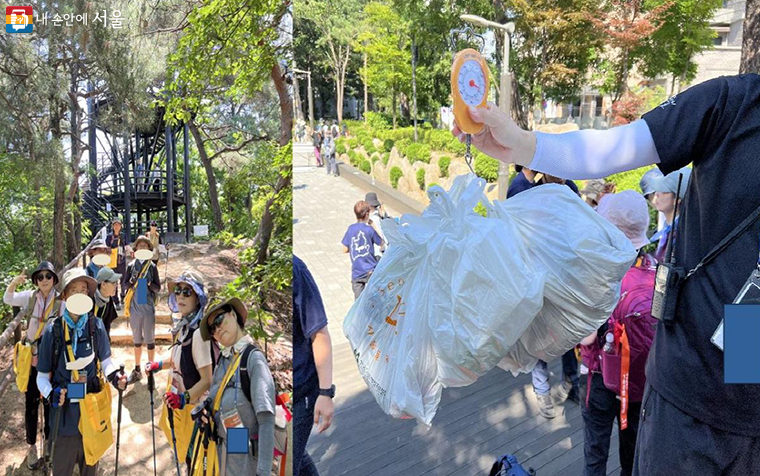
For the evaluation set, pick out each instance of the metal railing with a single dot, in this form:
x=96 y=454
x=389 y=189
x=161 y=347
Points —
x=153 y=181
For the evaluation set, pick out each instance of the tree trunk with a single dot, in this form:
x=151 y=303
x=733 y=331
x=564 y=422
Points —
x=414 y=87
x=264 y=233
x=394 y=109
x=59 y=237
x=216 y=209
x=750 y=62
x=74 y=240
x=366 y=100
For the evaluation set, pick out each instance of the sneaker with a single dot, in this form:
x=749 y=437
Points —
x=135 y=376
x=568 y=391
x=545 y=405
x=33 y=461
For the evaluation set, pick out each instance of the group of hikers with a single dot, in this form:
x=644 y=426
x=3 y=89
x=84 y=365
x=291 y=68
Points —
x=323 y=139
x=219 y=403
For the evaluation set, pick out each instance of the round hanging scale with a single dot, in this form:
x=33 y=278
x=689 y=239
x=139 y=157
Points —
x=469 y=87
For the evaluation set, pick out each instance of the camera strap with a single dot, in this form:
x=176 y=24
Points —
x=727 y=240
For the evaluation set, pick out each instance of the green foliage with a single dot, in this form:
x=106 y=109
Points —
x=421 y=178
x=388 y=145
x=434 y=184
x=369 y=147
x=375 y=157
x=481 y=210
x=340 y=146
x=443 y=165
x=386 y=158
x=353 y=143
x=365 y=166
x=377 y=121
x=353 y=157
x=485 y=167
x=418 y=152
x=395 y=174
x=628 y=180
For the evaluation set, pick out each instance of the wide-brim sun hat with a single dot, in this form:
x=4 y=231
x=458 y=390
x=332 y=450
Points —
x=646 y=181
x=78 y=274
x=143 y=239
x=234 y=303
x=629 y=212
x=669 y=183
x=192 y=279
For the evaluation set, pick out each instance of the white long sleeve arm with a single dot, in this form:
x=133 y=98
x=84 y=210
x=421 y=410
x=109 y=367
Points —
x=590 y=153
x=18 y=299
x=43 y=383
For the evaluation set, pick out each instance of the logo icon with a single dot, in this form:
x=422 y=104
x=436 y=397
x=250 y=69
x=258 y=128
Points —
x=18 y=20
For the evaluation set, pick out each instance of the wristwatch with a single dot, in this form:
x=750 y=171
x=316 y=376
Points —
x=327 y=392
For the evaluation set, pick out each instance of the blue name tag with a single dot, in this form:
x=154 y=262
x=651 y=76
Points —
x=237 y=440
x=741 y=359
x=142 y=291
x=75 y=391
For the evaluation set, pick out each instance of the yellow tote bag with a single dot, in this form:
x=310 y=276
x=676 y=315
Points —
x=22 y=365
x=114 y=258
x=22 y=354
x=95 y=423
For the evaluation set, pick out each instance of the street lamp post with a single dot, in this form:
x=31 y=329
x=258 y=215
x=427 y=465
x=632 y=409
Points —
x=505 y=88
x=311 y=100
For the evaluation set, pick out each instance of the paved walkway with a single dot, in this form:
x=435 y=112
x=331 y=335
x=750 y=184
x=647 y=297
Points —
x=498 y=414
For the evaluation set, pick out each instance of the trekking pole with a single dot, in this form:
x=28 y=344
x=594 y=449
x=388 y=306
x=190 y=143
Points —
x=118 y=423
x=174 y=439
x=197 y=442
x=54 y=436
x=151 y=386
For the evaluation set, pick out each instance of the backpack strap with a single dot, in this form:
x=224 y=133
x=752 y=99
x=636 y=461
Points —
x=245 y=376
x=57 y=333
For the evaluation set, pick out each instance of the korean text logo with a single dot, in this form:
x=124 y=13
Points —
x=18 y=20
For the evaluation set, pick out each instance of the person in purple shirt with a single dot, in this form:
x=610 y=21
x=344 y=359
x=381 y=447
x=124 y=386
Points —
x=359 y=242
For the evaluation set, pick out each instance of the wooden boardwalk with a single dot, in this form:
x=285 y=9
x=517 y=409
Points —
x=497 y=414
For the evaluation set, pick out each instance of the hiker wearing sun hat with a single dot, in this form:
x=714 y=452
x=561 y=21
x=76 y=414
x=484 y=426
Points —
x=37 y=305
x=190 y=360
x=99 y=255
x=665 y=201
x=75 y=349
x=631 y=329
x=120 y=249
x=105 y=306
x=140 y=302
x=242 y=370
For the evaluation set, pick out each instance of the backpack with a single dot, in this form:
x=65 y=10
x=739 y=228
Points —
x=632 y=317
x=507 y=465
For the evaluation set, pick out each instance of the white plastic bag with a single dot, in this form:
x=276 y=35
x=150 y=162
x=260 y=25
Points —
x=584 y=257
x=447 y=301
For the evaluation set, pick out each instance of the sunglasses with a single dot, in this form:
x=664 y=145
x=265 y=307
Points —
x=187 y=292
x=216 y=322
x=44 y=276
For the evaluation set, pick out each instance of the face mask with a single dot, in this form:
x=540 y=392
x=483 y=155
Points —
x=101 y=260
x=79 y=304
x=143 y=255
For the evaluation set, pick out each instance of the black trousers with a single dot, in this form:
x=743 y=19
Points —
x=672 y=443
x=32 y=413
x=598 y=417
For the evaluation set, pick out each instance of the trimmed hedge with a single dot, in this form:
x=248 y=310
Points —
x=395 y=174
x=421 y=178
x=353 y=157
x=388 y=145
x=375 y=157
x=418 y=152
x=443 y=165
x=340 y=147
x=365 y=167
x=485 y=167
x=386 y=158
x=353 y=143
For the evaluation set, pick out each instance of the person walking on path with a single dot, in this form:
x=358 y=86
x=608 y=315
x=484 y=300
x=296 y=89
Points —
x=155 y=240
x=313 y=390
x=144 y=286
x=38 y=306
x=97 y=248
x=190 y=361
x=105 y=306
x=117 y=241
x=359 y=242
x=74 y=338
x=242 y=370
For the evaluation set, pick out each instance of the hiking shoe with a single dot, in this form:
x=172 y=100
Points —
x=135 y=376
x=545 y=405
x=33 y=461
x=568 y=391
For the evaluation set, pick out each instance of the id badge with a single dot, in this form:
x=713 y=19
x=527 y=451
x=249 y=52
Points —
x=236 y=437
x=81 y=387
x=749 y=294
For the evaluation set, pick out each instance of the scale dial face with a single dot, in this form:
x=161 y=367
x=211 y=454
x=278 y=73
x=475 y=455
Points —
x=472 y=83
x=469 y=88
